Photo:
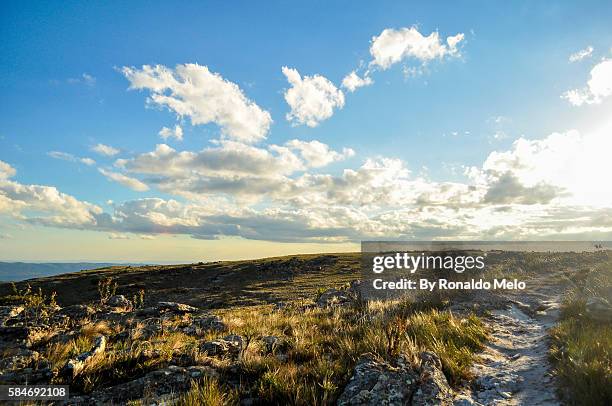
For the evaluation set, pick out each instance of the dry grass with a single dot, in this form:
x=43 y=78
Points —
x=582 y=348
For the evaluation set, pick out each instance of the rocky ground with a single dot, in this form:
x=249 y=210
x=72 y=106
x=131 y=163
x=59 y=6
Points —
x=178 y=344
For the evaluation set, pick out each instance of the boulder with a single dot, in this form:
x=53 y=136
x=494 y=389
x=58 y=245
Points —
x=74 y=366
x=118 y=301
x=433 y=388
x=376 y=382
x=229 y=345
x=599 y=309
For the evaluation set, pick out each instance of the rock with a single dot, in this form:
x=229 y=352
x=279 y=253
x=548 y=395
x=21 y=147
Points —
x=171 y=380
x=77 y=312
x=230 y=345
x=74 y=366
x=20 y=336
x=342 y=296
x=119 y=301
x=464 y=401
x=205 y=323
x=270 y=343
x=18 y=358
x=376 y=382
x=433 y=388
x=21 y=366
x=599 y=309
x=8 y=312
x=168 y=307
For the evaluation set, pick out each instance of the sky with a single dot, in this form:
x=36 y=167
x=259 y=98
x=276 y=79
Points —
x=160 y=132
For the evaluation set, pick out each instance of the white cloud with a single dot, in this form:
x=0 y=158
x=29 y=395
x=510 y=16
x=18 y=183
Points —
x=6 y=171
x=393 y=46
x=317 y=154
x=582 y=54
x=312 y=98
x=166 y=132
x=598 y=88
x=131 y=183
x=43 y=204
x=205 y=97
x=352 y=81
x=64 y=156
x=105 y=150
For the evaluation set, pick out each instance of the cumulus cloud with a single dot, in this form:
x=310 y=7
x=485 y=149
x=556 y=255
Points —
x=312 y=98
x=318 y=154
x=176 y=132
x=537 y=188
x=598 y=88
x=393 y=46
x=105 y=150
x=582 y=54
x=64 y=156
x=6 y=171
x=193 y=91
x=131 y=183
x=353 y=81
x=43 y=204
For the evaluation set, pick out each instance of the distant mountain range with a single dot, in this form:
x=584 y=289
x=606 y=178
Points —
x=19 y=271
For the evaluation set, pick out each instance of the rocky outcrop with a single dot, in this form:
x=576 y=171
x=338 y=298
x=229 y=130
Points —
x=21 y=336
x=230 y=345
x=149 y=388
x=343 y=296
x=74 y=366
x=21 y=365
x=375 y=382
x=433 y=387
x=599 y=309
x=205 y=323
x=167 y=308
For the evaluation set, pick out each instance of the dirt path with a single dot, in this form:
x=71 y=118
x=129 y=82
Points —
x=514 y=367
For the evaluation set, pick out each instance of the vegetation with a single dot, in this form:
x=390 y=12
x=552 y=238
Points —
x=582 y=347
x=106 y=289
x=322 y=345
x=208 y=392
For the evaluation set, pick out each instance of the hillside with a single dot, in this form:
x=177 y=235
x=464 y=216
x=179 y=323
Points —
x=297 y=330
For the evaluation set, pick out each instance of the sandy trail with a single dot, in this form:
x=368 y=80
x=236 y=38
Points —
x=514 y=368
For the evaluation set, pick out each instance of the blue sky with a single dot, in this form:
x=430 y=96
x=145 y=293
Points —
x=63 y=90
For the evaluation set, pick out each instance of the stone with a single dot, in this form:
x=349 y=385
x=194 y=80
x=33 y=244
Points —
x=77 y=312
x=9 y=312
x=230 y=345
x=118 y=301
x=433 y=388
x=205 y=323
x=74 y=366
x=167 y=307
x=149 y=388
x=375 y=382
x=599 y=309
x=334 y=297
